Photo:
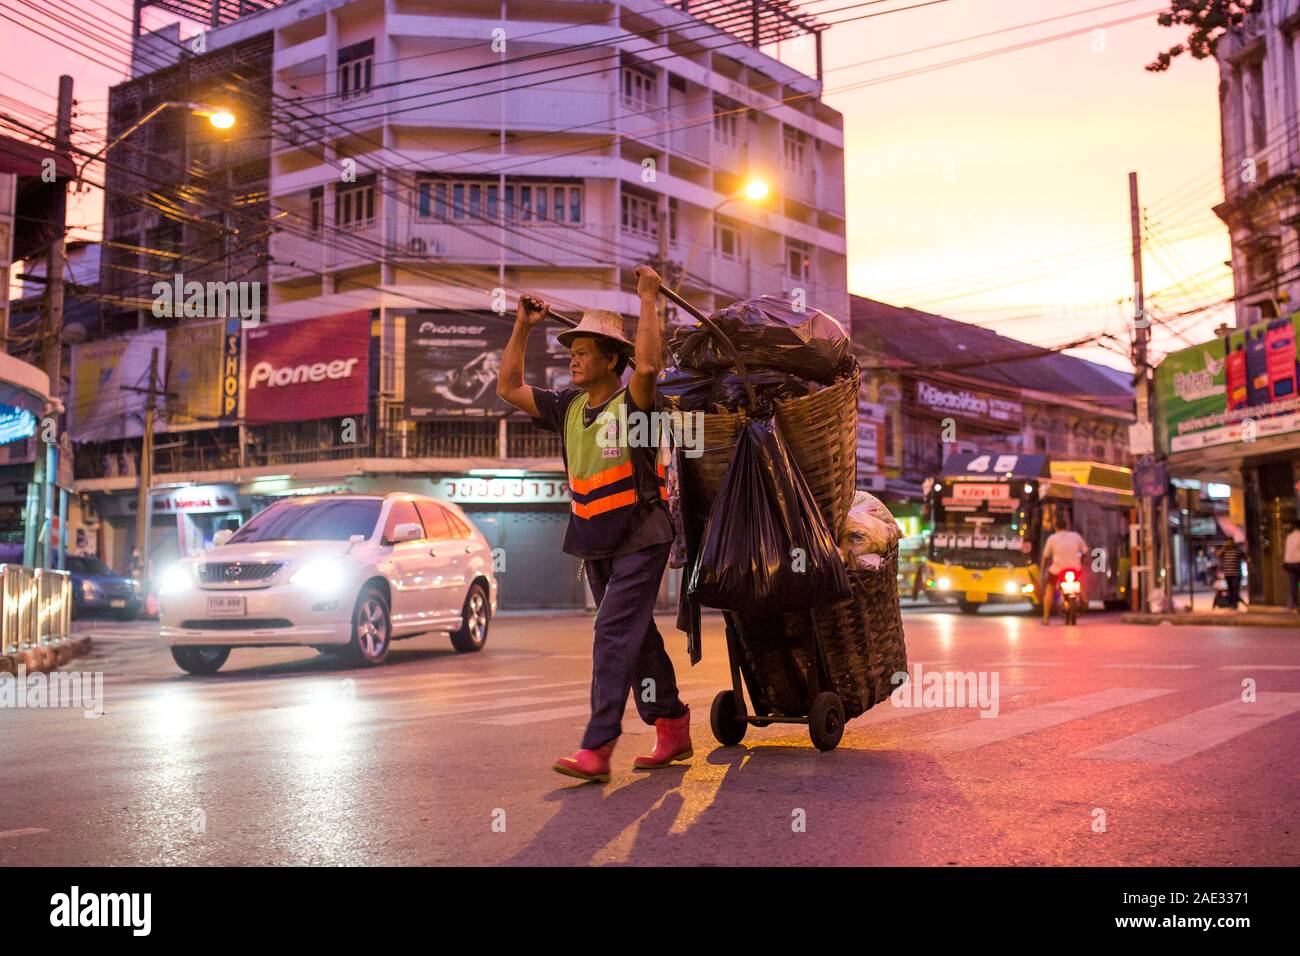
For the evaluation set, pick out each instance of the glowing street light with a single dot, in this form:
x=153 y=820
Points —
x=755 y=190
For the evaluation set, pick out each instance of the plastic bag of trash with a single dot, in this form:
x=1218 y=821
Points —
x=869 y=528
x=769 y=332
x=769 y=385
x=765 y=547
x=686 y=389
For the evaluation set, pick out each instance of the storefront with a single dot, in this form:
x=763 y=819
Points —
x=1228 y=411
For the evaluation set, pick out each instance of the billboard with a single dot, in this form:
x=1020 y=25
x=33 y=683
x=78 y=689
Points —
x=1241 y=387
x=312 y=368
x=453 y=358
x=108 y=377
x=195 y=363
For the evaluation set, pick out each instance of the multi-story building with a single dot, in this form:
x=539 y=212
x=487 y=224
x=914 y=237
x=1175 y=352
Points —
x=1227 y=409
x=933 y=386
x=399 y=172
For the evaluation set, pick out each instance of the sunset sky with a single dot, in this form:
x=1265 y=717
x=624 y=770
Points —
x=994 y=191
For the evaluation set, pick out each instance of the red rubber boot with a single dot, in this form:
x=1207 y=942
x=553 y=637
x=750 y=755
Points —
x=591 y=765
x=672 y=742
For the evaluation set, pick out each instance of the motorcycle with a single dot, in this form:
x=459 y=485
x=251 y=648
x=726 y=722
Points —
x=1070 y=584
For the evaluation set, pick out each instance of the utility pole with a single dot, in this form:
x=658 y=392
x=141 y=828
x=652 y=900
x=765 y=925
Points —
x=144 y=502
x=52 y=346
x=1142 y=368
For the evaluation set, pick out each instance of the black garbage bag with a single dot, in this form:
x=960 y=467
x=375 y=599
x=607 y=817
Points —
x=769 y=385
x=766 y=547
x=769 y=333
x=686 y=389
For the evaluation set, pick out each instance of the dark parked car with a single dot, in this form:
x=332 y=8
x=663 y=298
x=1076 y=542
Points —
x=96 y=589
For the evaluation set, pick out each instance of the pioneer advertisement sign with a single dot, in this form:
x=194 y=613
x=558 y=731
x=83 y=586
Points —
x=453 y=358
x=314 y=368
x=1238 y=388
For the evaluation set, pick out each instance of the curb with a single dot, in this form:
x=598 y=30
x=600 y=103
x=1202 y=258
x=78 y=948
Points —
x=45 y=657
x=1245 y=619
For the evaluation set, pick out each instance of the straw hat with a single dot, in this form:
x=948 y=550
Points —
x=600 y=322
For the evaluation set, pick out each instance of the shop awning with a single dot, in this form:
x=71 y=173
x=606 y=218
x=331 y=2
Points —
x=27 y=159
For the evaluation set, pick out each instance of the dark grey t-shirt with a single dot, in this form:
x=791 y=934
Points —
x=652 y=525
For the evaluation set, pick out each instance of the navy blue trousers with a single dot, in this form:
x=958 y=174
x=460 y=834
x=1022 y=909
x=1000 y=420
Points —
x=628 y=653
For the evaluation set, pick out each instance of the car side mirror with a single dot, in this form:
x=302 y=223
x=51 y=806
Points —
x=406 y=531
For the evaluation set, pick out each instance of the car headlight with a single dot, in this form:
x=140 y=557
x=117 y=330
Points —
x=944 y=584
x=89 y=587
x=324 y=577
x=174 y=580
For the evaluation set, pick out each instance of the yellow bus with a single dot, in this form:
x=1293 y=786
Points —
x=990 y=514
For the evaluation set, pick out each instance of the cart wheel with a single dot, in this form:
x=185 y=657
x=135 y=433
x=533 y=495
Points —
x=826 y=721
x=728 y=729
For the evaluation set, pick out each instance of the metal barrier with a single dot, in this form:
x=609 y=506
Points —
x=35 y=607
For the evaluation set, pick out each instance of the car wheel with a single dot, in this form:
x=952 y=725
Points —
x=200 y=660
x=371 y=629
x=474 y=621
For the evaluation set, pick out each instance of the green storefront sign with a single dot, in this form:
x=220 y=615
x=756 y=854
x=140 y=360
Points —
x=1239 y=388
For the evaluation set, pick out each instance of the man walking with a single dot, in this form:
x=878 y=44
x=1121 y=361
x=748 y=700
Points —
x=1230 y=561
x=1063 y=550
x=619 y=523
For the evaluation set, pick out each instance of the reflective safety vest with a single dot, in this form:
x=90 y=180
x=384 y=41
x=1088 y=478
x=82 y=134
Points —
x=607 y=480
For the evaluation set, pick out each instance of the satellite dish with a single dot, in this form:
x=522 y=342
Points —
x=74 y=332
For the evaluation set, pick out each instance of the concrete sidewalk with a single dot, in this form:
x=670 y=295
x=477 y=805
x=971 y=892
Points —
x=1260 y=615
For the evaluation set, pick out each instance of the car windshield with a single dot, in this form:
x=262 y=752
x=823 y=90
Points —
x=88 y=566
x=330 y=520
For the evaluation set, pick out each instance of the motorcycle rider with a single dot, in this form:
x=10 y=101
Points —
x=1064 y=550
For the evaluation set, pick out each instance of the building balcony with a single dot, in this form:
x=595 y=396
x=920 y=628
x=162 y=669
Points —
x=559 y=244
x=694 y=142
x=295 y=256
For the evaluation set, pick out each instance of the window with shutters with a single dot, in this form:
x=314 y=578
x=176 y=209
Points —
x=354 y=204
x=356 y=64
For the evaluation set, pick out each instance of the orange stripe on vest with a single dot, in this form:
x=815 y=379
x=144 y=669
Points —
x=600 y=479
x=621 y=500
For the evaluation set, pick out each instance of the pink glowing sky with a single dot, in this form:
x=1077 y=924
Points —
x=994 y=191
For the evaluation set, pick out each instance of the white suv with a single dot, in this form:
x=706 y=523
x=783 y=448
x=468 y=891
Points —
x=341 y=573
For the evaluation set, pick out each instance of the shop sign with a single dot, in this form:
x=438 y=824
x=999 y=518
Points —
x=312 y=368
x=979 y=406
x=524 y=491
x=1241 y=387
x=196 y=499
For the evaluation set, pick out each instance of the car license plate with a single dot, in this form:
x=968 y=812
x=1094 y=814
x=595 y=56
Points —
x=1069 y=587
x=226 y=606
x=117 y=602
x=977 y=597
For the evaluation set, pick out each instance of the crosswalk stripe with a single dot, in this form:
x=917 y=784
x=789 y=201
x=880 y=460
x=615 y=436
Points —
x=578 y=710
x=1023 y=664
x=1198 y=731
x=1154 y=667
x=1261 y=667
x=983 y=731
x=482 y=705
x=885 y=710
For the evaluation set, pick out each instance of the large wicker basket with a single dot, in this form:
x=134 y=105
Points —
x=821 y=431
x=860 y=640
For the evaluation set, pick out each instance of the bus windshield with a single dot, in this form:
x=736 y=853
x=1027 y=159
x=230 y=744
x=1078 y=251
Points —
x=981 y=526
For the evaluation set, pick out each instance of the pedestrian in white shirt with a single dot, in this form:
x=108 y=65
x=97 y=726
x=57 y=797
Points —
x=1291 y=562
x=1062 y=551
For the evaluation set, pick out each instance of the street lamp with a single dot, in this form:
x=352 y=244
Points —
x=755 y=190
x=218 y=116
